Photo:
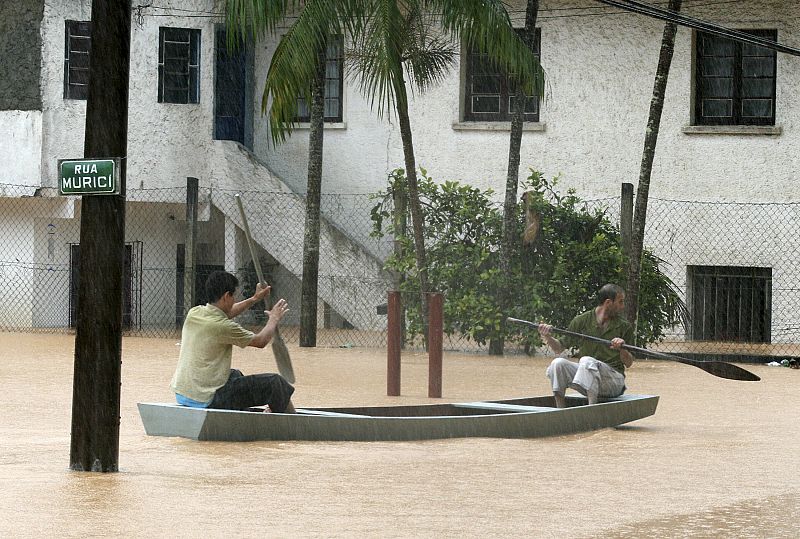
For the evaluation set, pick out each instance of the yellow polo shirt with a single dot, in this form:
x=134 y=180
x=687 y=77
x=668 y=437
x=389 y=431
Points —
x=206 y=348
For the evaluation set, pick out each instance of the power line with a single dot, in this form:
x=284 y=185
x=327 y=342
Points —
x=698 y=24
x=699 y=3
x=591 y=11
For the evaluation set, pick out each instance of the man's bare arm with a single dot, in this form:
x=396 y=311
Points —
x=241 y=306
x=554 y=344
x=263 y=337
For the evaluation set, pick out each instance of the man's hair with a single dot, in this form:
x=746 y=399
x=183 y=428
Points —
x=218 y=283
x=609 y=291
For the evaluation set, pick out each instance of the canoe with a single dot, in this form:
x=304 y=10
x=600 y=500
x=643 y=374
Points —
x=529 y=417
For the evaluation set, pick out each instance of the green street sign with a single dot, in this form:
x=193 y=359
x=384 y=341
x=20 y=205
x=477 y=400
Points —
x=88 y=176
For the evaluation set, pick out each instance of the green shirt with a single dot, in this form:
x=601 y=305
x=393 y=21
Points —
x=586 y=323
x=206 y=349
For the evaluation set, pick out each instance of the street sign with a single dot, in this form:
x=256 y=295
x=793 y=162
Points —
x=88 y=176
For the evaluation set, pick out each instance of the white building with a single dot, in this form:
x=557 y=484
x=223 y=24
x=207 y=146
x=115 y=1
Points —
x=729 y=131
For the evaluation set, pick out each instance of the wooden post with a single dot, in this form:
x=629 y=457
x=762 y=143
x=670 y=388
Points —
x=626 y=218
x=393 y=343
x=94 y=439
x=190 y=252
x=400 y=208
x=435 y=330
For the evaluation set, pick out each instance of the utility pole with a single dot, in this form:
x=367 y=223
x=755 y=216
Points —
x=98 y=338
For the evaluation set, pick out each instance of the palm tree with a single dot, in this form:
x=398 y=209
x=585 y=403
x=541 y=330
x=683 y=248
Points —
x=248 y=18
x=391 y=38
x=397 y=38
x=648 y=154
x=528 y=36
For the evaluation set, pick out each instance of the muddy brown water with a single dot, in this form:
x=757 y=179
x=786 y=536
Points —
x=718 y=459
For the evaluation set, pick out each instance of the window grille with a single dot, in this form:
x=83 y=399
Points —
x=333 y=85
x=489 y=93
x=734 y=81
x=77 y=48
x=178 y=65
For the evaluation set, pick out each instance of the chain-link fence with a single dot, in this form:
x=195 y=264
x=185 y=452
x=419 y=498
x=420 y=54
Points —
x=39 y=270
x=734 y=265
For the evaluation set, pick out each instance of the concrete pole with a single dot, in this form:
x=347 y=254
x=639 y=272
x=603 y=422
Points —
x=435 y=331
x=626 y=218
x=393 y=344
x=190 y=252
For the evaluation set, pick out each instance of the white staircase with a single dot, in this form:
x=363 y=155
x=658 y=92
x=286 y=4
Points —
x=351 y=281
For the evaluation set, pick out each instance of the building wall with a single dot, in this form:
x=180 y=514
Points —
x=20 y=61
x=600 y=72
x=21 y=149
x=166 y=142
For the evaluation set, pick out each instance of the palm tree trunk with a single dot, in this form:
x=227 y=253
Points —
x=650 y=140
x=417 y=222
x=505 y=295
x=308 y=295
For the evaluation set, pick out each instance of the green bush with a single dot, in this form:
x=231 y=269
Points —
x=553 y=278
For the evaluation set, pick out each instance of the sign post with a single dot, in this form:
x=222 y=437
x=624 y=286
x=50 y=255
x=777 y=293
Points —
x=88 y=176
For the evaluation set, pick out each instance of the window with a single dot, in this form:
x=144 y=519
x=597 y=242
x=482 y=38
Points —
x=728 y=303
x=489 y=95
x=333 y=85
x=734 y=81
x=178 y=65
x=77 y=45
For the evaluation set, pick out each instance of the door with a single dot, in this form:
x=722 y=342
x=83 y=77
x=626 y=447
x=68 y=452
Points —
x=229 y=91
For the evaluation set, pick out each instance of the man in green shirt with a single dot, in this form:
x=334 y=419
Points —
x=204 y=378
x=601 y=369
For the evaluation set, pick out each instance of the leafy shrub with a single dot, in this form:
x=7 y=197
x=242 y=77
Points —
x=553 y=277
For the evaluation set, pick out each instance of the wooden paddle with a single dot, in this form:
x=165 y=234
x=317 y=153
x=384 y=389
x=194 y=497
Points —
x=279 y=349
x=717 y=368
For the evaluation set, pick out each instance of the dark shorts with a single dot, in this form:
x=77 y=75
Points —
x=241 y=392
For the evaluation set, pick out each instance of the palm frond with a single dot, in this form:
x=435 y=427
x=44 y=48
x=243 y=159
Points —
x=293 y=65
x=247 y=20
x=486 y=26
x=428 y=55
x=375 y=59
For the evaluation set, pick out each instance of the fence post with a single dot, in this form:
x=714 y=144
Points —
x=393 y=342
x=190 y=252
x=399 y=201
x=435 y=329
x=626 y=218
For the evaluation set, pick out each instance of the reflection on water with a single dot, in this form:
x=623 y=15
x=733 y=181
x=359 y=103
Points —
x=709 y=463
x=774 y=517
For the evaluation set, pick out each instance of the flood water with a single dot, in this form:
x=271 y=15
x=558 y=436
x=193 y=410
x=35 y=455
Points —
x=718 y=459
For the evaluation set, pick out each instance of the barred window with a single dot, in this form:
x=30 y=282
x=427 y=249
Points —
x=77 y=46
x=334 y=65
x=729 y=303
x=489 y=92
x=178 y=65
x=734 y=81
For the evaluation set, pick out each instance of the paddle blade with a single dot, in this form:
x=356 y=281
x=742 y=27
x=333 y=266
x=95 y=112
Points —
x=282 y=358
x=726 y=370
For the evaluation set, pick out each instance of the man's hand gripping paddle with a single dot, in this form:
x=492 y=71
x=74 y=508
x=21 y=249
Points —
x=717 y=368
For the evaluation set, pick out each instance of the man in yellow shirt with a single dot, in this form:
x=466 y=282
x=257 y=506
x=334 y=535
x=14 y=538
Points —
x=204 y=378
x=601 y=369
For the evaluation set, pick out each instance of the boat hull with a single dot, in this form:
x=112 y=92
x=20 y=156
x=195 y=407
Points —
x=513 y=418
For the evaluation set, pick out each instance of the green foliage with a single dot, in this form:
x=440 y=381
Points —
x=554 y=277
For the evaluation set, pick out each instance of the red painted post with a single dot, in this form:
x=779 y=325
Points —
x=435 y=329
x=393 y=344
